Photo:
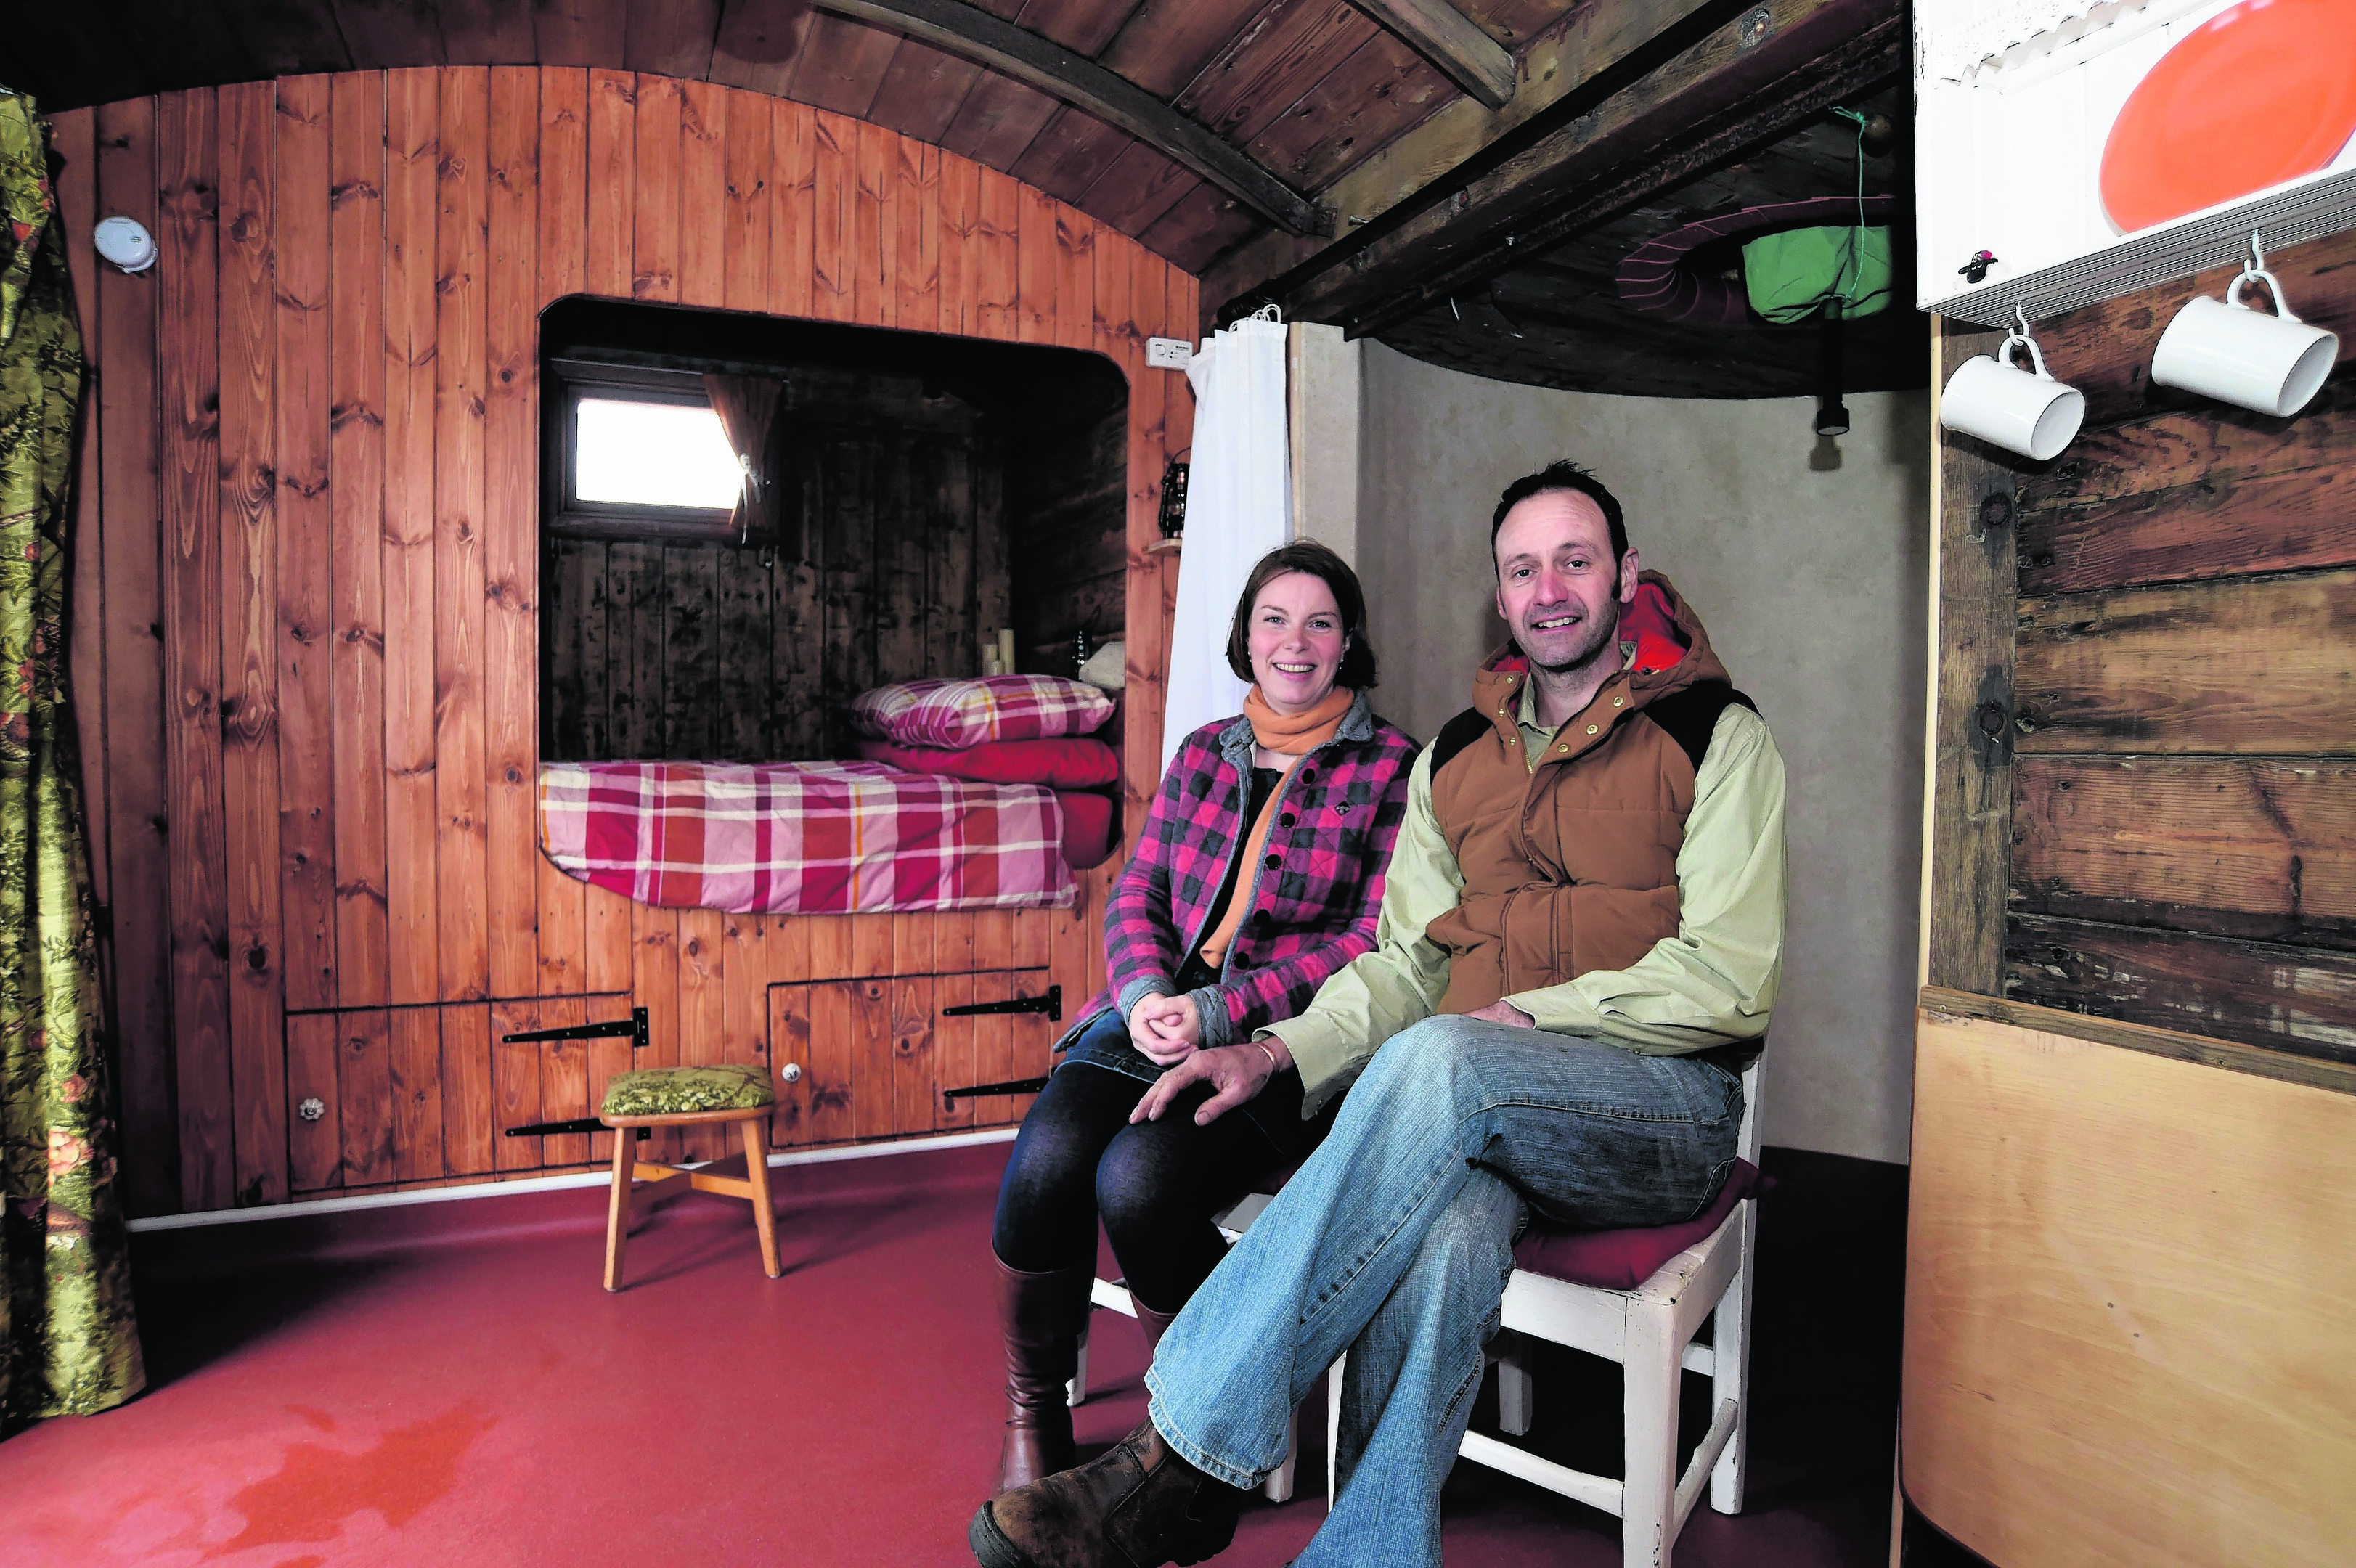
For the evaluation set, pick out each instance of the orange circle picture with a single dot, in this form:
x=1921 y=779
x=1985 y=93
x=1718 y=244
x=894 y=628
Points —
x=2260 y=93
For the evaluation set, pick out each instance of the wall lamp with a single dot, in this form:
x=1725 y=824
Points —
x=2228 y=350
x=125 y=243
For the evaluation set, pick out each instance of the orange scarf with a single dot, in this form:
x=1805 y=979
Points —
x=1294 y=737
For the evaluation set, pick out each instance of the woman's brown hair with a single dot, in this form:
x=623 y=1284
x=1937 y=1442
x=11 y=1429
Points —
x=1357 y=671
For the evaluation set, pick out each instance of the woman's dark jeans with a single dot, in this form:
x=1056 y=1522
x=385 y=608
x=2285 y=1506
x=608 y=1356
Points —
x=1154 y=1184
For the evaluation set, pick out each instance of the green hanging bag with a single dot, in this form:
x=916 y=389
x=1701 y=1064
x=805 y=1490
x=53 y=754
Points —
x=1792 y=275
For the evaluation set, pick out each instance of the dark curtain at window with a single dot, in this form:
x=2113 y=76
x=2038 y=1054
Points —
x=748 y=407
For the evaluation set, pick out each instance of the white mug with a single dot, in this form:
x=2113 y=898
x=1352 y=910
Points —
x=2024 y=411
x=2225 y=350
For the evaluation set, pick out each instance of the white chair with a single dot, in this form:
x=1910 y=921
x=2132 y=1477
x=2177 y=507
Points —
x=1113 y=1296
x=1649 y=1331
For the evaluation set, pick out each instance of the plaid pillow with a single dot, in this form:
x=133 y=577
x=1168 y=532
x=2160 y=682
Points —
x=960 y=713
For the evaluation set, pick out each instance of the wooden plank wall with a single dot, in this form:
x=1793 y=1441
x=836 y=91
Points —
x=681 y=650
x=308 y=622
x=1068 y=563
x=2179 y=688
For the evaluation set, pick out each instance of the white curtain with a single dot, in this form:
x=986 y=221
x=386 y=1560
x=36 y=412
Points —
x=1238 y=508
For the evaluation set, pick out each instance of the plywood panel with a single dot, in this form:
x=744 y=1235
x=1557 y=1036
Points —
x=2254 y=666
x=2122 y=1347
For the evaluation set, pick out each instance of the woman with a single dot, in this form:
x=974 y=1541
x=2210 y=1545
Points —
x=1304 y=791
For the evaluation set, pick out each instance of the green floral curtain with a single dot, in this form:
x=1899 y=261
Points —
x=68 y=1344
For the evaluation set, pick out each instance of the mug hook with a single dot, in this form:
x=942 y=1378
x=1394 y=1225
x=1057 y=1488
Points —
x=2019 y=339
x=2255 y=271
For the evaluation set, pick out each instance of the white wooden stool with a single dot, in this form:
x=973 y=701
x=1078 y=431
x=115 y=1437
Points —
x=1649 y=1330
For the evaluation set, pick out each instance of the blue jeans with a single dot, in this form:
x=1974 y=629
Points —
x=1394 y=1242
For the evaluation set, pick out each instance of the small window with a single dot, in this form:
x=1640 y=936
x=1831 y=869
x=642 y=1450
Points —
x=632 y=453
x=639 y=454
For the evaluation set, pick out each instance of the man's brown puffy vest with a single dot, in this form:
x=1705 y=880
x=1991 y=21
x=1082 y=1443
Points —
x=1574 y=866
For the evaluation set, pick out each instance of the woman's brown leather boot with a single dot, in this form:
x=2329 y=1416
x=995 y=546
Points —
x=1155 y=1323
x=1042 y=1316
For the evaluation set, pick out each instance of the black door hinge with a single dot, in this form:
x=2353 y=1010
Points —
x=950 y=1097
x=1052 y=1004
x=635 y=1025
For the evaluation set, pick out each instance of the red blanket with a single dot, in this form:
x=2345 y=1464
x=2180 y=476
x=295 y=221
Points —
x=803 y=838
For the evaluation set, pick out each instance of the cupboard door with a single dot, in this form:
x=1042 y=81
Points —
x=876 y=1054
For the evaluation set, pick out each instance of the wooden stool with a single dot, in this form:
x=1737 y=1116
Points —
x=687 y=1097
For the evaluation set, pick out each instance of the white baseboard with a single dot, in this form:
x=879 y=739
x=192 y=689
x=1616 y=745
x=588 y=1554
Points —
x=544 y=1183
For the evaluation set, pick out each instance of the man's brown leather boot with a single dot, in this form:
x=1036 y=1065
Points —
x=1137 y=1506
x=1042 y=1316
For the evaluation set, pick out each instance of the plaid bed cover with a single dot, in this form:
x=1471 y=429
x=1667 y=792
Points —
x=831 y=837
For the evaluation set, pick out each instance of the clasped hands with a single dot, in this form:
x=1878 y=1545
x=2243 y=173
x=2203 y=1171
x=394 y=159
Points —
x=1168 y=1030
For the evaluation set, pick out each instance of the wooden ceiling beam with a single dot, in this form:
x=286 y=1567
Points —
x=1569 y=68
x=1447 y=37
x=1041 y=63
x=1620 y=134
x=1713 y=122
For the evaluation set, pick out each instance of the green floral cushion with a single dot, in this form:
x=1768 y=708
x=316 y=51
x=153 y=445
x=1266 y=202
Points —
x=677 y=1091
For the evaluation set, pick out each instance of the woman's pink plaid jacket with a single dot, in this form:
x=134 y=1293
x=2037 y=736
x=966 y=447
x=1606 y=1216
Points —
x=1311 y=903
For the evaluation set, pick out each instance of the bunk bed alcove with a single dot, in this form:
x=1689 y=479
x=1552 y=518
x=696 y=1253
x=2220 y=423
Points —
x=309 y=609
x=918 y=492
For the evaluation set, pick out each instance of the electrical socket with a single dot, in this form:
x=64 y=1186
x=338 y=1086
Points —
x=1169 y=353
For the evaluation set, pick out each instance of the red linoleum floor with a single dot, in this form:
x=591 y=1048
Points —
x=447 y=1385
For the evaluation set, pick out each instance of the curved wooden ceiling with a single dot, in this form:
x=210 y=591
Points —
x=1306 y=89
x=1322 y=156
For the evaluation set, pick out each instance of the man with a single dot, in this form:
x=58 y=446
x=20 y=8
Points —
x=1580 y=936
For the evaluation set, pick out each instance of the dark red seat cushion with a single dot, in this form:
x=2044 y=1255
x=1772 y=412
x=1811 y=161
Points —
x=1622 y=1260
